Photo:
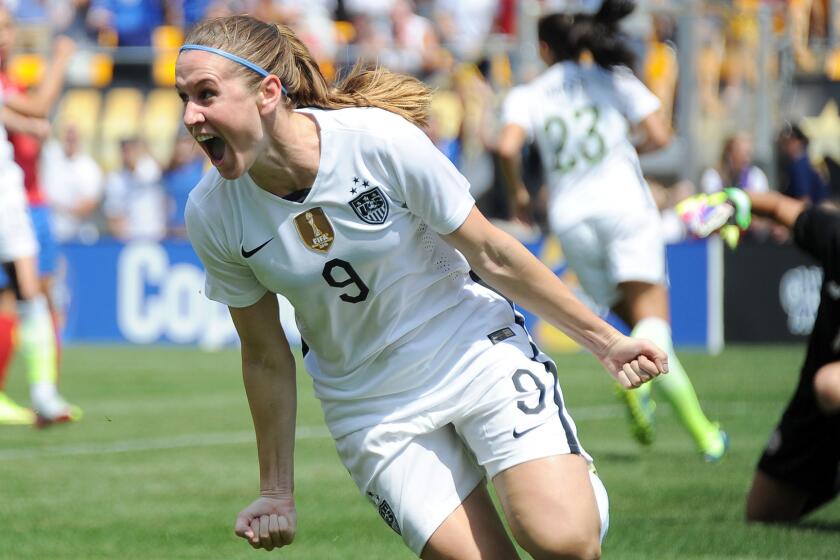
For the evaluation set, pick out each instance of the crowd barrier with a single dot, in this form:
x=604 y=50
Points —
x=152 y=293
x=771 y=293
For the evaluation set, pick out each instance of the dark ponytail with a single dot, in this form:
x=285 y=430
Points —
x=602 y=37
x=563 y=34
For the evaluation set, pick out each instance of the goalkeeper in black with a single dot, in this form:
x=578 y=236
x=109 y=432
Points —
x=799 y=470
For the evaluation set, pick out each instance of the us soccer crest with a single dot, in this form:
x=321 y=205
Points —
x=385 y=512
x=371 y=206
x=315 y=229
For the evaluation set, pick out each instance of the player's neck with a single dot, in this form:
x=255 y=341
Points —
x=292 y=158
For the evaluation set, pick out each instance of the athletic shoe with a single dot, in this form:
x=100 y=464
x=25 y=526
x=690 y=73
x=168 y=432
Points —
x=56 y=411
x=12 y=414
x=640 y=412
x=716 y=446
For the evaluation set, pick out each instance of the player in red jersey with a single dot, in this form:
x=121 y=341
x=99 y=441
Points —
x=22 y=106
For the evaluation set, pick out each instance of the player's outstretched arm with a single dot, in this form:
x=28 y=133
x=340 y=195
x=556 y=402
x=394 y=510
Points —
x=509 y=148
x=268 y=370
x=40 y=102
x=509 y=267
x=733 y=208
x=780 y=208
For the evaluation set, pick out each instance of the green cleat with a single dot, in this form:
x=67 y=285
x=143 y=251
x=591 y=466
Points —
x=716 y=445
x=12 y=414
x=640 y=412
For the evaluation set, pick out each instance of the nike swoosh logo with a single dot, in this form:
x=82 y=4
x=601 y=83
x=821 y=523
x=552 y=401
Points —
x=518 y=434
x=252 y=252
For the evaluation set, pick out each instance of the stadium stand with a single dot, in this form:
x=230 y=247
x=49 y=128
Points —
x=120 y=119
x=160 y=122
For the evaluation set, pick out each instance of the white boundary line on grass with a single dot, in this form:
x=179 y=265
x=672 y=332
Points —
x=596 y=412
x=150 y=444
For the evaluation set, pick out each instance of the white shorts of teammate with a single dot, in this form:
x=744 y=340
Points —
x=17 y=237
x=606 y=250
x=417 y=472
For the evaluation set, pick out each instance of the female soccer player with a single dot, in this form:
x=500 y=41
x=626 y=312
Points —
x=600 y=207
x=797 y=472
x=18 y=256
x=337 y=200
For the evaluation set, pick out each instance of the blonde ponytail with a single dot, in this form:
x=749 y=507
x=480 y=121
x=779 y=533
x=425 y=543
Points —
x=404 y=95
x=277 y=49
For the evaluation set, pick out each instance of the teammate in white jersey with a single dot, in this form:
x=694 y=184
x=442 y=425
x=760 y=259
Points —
x=335 y=199
x=580 y=112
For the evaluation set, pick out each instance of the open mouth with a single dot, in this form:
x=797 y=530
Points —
x=213 y=145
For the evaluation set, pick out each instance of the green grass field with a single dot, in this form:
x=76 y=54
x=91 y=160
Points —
x=164 y=459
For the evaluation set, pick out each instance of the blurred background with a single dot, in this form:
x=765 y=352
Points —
x=750 y=88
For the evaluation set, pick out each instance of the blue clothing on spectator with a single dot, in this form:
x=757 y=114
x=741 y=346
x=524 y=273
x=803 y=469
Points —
x=194 y=11
x=804 y=181
x=133 y=20
x=28 y=12
x=178 y=183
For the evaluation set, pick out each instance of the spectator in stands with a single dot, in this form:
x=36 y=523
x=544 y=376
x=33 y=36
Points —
x=135 y=204
x=73 y=187
x=801 y=179
x=736 y=168
x=183 y=173
x=312 y=22
x=71 y=19
x=415 y=48
x=132 y=20
x=465 y=25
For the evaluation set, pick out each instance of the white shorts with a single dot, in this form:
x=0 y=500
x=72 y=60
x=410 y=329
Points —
x=607 y=250
x=17 y=237
x=417 y=472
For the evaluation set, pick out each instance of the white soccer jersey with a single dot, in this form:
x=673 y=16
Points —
x=17 y=238
x=578 y=116
x=383 y=303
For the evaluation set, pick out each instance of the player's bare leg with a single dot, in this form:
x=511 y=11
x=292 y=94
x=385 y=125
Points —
x=37 y=344
x=472 y=531
x=827 y=388
x=644 y=306
x=551 y=507
x=47 y=286
x=771 y=501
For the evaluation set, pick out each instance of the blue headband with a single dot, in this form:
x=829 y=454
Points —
x=230 y=56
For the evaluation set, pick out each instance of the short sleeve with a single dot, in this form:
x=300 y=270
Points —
x=757 y=180
x=115 y=204
x=426 y=181
x=710 y=181
x=515 y=110
x=226 y=281
x=817 y=231
x=635 y=101
x=90 y=179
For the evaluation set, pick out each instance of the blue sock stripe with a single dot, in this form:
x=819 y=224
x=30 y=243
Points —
x=230 y=56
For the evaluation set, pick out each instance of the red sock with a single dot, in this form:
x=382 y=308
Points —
x=7 y=345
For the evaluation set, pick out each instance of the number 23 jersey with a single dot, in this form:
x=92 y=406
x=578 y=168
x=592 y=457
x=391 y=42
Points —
x=579 y=117
x=360 y=258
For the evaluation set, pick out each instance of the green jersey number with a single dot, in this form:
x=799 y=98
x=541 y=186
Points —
x=591 y=148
